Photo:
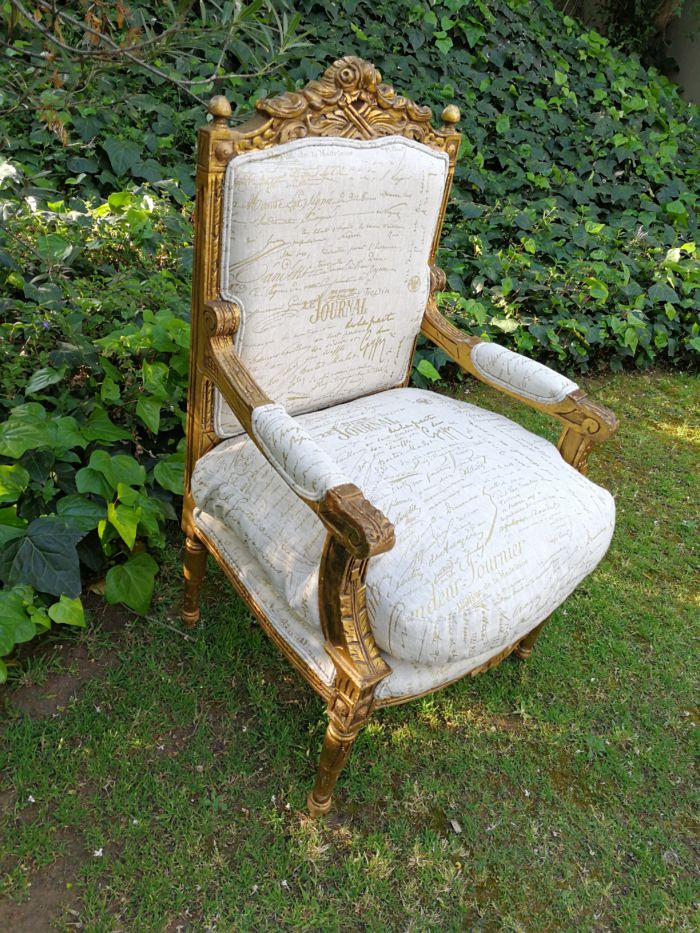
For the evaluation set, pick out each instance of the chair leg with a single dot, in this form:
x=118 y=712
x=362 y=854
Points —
x=524 y=649
x=346 y=720
x=195 y=564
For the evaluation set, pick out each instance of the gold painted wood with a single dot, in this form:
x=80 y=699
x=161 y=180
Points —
x=205 y=287
x=525 y=647
x=349 y=637
x=354 y=652
x=195 y=564
x=586 y=423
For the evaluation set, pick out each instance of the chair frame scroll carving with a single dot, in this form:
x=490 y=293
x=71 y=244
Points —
x=350 y=101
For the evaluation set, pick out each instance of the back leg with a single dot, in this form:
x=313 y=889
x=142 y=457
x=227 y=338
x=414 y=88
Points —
x=524 y=649
x=195 y=565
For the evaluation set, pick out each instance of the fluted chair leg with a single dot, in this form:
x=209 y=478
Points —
x=195 y=564
x=348 y=714
x=337 y=746
x=524 y=649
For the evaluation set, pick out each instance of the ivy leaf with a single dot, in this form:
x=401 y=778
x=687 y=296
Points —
x=16 y=437
x=45 y=558
x=101 y=428
x=123 y=154
x=14 y=480
x=473 y=34
x=68 y=612
x=125 y=520
x=89 y=480
x=597 y=289
x=426 y=368
x=443 y=42
x=118 y=200
x=43 y=378
x=53 y=247
x=148 y=410
x=662 y=292
x=503 y=123
x=80 y=512
x=132 y=583
x=15 y=625
x=118 y=468
x=11 y=526
x=506 y=324
x=109 y=391
x=38 y=463
x=170 y=474
x=676 y=209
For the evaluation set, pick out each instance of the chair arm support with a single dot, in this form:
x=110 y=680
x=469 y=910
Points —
x=585 y=423
x=356 y=530
x=292 y=452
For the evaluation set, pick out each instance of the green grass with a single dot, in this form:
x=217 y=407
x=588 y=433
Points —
x=186 y=761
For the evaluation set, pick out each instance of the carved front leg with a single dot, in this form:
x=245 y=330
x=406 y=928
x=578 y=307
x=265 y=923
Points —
x=348 y=711
x=358 y=663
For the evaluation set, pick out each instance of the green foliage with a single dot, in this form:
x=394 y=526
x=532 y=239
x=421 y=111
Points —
x=94 y=356
x=573 y=227
x=571 y=236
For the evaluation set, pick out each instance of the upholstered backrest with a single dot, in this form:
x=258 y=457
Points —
x=325 y=247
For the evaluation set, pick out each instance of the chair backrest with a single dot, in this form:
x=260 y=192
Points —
x=320 y=217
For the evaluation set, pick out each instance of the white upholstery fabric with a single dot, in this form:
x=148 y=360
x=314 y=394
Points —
x=493 y=529
x=519 y=374
x=326 y=244
x=298 y=459
x=407 y=678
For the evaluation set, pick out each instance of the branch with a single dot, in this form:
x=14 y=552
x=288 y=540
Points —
x=94 y=53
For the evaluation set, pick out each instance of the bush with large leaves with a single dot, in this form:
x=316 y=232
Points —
x=95 y=262
x=571 y=236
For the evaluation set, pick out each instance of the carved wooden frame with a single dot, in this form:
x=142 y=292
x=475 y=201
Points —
x=349 y=101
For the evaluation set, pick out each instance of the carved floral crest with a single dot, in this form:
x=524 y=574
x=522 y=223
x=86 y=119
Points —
x=349 y=100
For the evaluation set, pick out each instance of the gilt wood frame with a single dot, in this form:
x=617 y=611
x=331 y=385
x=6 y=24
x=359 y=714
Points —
x=350 y=101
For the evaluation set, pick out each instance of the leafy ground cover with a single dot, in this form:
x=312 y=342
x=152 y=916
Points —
x=154 y=781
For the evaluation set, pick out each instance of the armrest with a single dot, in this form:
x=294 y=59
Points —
x=585 y=422
x=295 y=455
x=315 y=478
x=524 y=378
x=311 y=474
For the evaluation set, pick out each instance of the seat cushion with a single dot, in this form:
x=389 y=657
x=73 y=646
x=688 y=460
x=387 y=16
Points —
x=326 y=243
x=493 y=529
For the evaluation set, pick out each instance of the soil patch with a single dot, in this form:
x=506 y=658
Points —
x=60 y=688
x=52 y=894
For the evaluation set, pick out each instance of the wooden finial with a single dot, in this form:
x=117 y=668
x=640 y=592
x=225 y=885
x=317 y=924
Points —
x=220 y=109
x=451 y=114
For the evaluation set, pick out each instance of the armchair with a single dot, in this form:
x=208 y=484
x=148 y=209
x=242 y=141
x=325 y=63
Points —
x=389 y=540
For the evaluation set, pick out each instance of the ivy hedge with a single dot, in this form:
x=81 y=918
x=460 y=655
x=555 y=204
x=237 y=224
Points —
x=571 y=236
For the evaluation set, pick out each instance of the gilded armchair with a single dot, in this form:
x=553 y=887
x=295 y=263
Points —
x=389 y=540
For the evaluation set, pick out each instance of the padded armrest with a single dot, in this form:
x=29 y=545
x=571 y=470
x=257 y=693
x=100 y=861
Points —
x=520 y=375
x=585 y=422
x=294 y=454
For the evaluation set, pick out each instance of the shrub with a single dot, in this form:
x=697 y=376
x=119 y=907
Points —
x=94 y=357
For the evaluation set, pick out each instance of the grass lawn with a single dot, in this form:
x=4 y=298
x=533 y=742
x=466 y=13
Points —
x=150 y=781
